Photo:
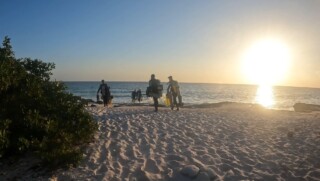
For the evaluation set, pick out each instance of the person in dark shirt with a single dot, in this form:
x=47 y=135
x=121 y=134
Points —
x=104 y=90
x=139 y=95
x=155 y=92
x=134 y=96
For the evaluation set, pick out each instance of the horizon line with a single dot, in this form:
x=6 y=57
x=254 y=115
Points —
x=189 y=83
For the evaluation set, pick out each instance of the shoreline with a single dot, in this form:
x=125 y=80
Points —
x=297 y=107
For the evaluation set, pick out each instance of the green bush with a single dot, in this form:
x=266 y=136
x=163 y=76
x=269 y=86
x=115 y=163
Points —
x=37 y=114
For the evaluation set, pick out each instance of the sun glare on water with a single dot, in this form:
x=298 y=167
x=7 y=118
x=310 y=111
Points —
x=264 y=96
x=266 y=63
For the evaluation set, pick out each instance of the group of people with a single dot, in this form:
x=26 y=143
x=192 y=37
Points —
x=136 y=95
x=154 y=90
x=173 y=92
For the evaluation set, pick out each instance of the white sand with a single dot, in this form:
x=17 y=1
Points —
x=233 y=142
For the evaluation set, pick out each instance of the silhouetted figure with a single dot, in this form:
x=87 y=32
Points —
x=154 y=91
x=174 y=91
x=139 y=95
x=105 y=93
x=134 y=95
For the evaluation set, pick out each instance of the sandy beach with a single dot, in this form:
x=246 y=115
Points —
x=225 y=142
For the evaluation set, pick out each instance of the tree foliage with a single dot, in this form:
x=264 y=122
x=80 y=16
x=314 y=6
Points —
x=37 y=114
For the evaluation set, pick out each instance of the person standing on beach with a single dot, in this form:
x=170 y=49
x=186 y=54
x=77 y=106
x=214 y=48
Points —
x=174 y=90
x=134 y=96
x=154 y=85
x=105 y=92
x=139 y=95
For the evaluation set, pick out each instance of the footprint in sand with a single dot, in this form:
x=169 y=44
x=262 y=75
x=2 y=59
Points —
x=150 y=165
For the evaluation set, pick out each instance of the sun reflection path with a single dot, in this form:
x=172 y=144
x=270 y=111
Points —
x=264 y=96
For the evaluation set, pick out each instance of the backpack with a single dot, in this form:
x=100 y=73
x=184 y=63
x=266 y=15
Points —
x=155 y=88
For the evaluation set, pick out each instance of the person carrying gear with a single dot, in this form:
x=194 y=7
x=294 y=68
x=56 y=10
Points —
x=105 y=92
x=155 y=91
x=174 y=90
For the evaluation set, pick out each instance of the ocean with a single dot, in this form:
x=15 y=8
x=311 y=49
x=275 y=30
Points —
x=277 y=97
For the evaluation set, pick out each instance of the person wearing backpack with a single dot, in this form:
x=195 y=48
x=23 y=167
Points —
x=155 y=91
x=105 y=92
x=174 y=90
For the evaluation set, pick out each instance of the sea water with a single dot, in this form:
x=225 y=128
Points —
x=282 y=98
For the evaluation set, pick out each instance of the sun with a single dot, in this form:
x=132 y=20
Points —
x=266 y=62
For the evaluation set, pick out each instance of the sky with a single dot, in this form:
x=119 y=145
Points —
x=194 y=41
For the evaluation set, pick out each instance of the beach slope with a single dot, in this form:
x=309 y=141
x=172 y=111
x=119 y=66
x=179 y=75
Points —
x=226 y=142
